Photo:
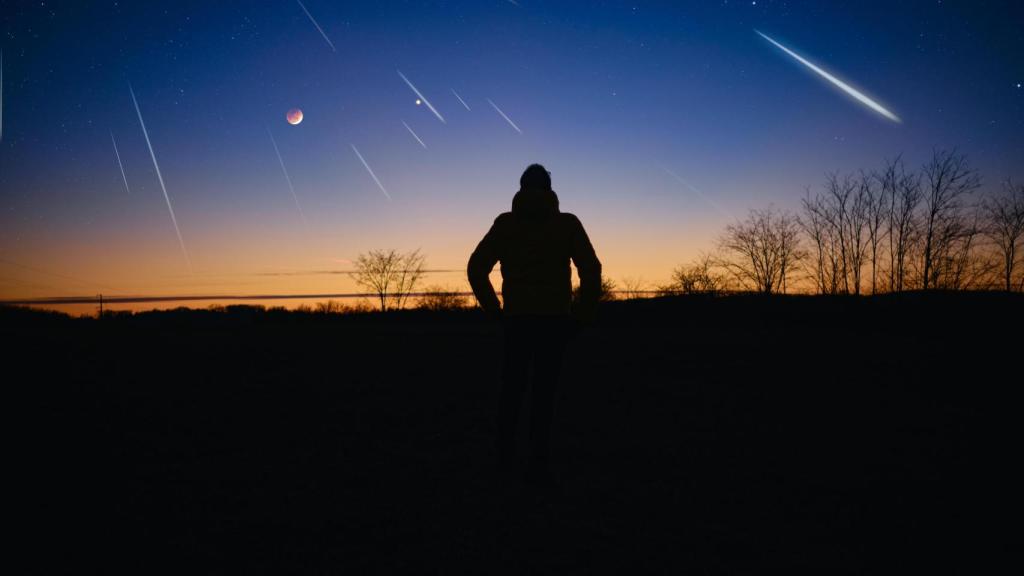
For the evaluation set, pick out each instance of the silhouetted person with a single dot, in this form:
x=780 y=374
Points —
x=534 y=243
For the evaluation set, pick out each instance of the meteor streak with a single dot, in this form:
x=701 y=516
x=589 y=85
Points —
x=119 y=165
x=460 y=99
x=1 y=96
x=507 y=119
x=696 y=191
x=414 y=135
x=313 y=20
x=422 y=97
x=857 y=95
x=370 y=170
x=161 y=179
x=287 y=177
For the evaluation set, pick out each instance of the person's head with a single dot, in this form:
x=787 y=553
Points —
x=535 y=177
x=535 y=197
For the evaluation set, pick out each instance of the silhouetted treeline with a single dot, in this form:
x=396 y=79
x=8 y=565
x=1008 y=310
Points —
x=887 y=230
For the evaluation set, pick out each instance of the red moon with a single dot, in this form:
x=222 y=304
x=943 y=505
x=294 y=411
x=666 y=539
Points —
x=294 y=116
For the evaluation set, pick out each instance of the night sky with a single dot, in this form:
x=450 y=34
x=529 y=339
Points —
x=659 y=121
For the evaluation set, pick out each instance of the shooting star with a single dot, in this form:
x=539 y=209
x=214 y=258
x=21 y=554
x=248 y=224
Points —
x=507 y=119
x=1 y=96
x=697 y=191
x=414 y=135
x=287 y=177
x=313 y=20
x=857 y=95
x=161 y=179
x=119 y=165
x=422 y=97
x=460 y=99
x=370 y=170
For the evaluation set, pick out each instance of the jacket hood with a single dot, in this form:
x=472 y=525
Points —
x=532 y=203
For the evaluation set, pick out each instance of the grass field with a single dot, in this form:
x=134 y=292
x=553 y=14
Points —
x=729 y=435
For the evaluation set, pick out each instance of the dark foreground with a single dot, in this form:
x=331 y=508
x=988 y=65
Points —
x=731 y=435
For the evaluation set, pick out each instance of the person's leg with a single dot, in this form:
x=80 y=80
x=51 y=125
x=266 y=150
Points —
x=550 y=341
x=514 y=372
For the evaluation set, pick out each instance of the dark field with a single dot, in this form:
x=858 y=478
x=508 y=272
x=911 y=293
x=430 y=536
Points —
x=693 y=435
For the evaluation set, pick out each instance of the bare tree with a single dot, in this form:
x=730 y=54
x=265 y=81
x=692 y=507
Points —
x=632 y=288
x=329 y=307
x=761 y=251
x=439 y=298
x=1004 y=227
x=389 y=274
x=836 y=222
x=948 y=179
x=903 y=191
x=875 y=213
x=701 y=277
x=857 y=229
x=787 y=241
x=670 y=289
x=838 y=193
x=816 y=225
x=966 y=265
x=606 y=294
x=608 y=290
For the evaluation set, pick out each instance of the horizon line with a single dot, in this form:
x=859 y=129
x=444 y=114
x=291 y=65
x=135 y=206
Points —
x=139 y=299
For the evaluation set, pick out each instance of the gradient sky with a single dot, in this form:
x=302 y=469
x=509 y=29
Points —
x=613 y=97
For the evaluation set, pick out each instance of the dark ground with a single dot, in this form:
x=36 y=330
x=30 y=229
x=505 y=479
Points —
x=732 y=435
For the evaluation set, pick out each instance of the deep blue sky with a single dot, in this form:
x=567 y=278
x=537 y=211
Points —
x=608 y=95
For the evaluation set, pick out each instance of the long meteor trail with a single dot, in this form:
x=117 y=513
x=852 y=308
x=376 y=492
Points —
x=507 y=119
x=313 y=20
x=422 y=97
x=856 y=94
x=414 y=135
x=1 y=96
x=119 y=165
x=286 y=176
x=460 y=99
x=161 y=179
x=370 y=170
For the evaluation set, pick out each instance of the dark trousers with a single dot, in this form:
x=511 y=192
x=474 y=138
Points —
x=534 y=348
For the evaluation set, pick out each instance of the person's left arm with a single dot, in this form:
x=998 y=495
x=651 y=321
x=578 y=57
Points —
x=589 y=269
x=481 y=262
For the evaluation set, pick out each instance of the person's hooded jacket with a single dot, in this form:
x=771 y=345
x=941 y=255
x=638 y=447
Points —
x=534 y=243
